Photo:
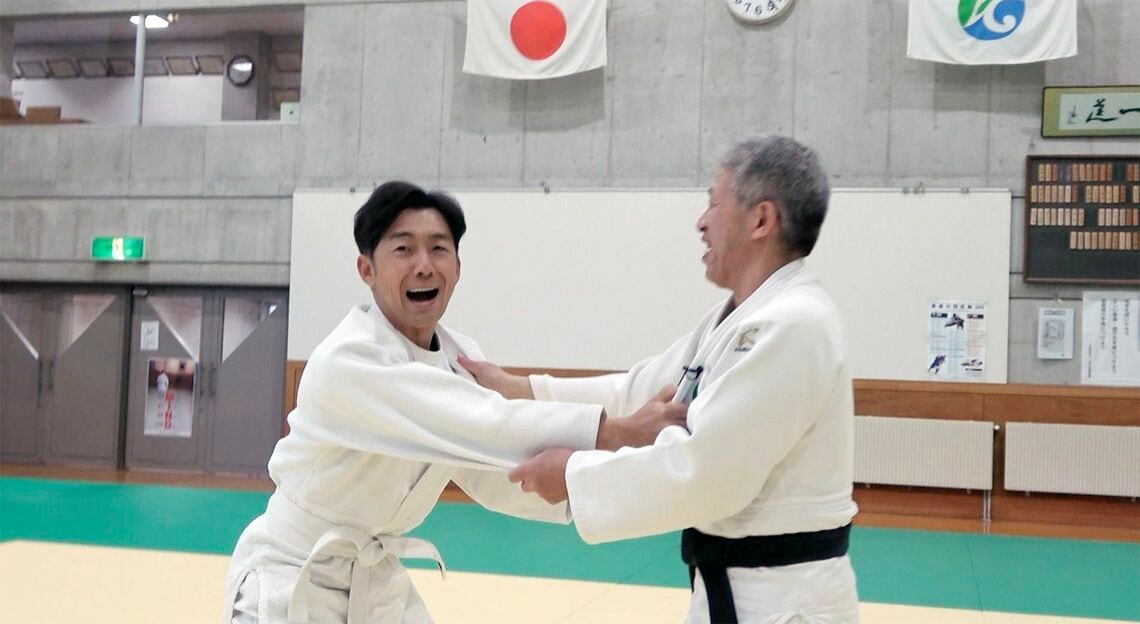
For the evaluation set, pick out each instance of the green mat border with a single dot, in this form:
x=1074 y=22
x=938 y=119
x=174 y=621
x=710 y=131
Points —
x=923 y=568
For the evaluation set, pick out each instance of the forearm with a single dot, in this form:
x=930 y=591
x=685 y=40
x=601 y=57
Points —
x=493 y=491
x=598 y=390
x=518 y=387
x=610 y=433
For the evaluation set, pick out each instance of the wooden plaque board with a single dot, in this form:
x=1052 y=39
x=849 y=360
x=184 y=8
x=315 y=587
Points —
x=1082 y=219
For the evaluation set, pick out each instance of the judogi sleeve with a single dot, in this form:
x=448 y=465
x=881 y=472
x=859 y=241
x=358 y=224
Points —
x=491 y=488
x=494 y=491
x=354 y=396
x=742 y=425
x=620 y=393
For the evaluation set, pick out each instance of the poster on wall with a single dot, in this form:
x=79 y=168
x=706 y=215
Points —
x=956 y=340
x=148 y=336
x=169 y=398
x=1110 y=331
x=1054 y=333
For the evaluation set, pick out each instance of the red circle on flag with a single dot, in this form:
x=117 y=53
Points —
x=538 y=30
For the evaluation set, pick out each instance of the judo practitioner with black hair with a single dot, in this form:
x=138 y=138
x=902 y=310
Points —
x=385 y=418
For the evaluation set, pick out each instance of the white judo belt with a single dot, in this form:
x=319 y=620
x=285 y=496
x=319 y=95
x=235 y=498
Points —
x=365 y=551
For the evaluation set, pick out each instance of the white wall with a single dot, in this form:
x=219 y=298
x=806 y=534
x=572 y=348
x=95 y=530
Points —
x=166 y=99
x=182 y=100
x=602 y=279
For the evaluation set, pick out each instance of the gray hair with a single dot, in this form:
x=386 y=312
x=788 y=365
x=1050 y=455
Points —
x=789 y=173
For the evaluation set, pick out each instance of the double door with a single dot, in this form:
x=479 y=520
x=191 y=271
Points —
x=61 y=374
x=206 y=379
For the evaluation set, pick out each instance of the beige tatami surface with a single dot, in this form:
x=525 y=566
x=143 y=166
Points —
x=51 y=583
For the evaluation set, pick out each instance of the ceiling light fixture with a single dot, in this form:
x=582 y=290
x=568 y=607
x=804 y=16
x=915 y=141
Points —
x=153 y=21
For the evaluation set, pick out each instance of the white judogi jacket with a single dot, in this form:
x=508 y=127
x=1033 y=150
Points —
x=769 y=451
x=381 y=426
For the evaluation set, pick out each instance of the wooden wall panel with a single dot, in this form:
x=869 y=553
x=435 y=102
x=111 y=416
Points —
x=557 y=372
x=941 y=405
x=293 y=370
x=931 y=502
x=1099 y=511
x=1044 y=408
x=999 y=403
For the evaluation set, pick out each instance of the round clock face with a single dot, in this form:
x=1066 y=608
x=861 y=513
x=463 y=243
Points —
x=757 y=11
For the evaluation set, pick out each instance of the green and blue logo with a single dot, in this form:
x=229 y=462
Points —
x=990 y=19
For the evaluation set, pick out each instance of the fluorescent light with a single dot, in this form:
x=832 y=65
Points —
x=181 y=65
x=287 y=61
x=152 y=21
x=32 y=69
x=285 y=94
x=154 y=66
x=92 y=68
x=62 y=68
x=122 y=66
x=211 y=64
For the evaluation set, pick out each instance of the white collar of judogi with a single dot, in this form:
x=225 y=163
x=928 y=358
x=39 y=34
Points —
x=710 y=334
x=416 y=353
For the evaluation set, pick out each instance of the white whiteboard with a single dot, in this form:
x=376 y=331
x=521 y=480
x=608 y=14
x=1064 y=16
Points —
x=601 y=279
x=884 y=256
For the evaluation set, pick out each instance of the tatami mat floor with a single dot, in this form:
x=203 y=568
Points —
x=81 y=552
x=45 y=583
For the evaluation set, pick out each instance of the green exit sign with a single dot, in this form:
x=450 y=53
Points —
x=117 y=248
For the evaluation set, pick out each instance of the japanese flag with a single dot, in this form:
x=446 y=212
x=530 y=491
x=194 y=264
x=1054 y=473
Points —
x=530 y=39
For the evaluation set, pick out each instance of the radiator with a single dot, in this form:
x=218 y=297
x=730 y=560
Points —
x=924 y=452
x=1072 y=459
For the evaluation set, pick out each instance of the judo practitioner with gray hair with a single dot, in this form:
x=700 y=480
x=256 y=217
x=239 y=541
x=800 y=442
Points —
x=385 y=418
x=760 y=483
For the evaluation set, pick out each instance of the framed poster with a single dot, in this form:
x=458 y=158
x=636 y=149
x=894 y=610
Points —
x=956 y=340
x=1090 y=111
x=169 y=398
x=1055 y=333
x=1110 y=328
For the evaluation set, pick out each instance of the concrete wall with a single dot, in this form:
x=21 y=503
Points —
x=383 y=97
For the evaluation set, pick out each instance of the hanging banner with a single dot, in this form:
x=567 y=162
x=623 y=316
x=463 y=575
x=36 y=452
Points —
x=169 y=398
x=985 y=32
x=956 y=340
x=1110 y=329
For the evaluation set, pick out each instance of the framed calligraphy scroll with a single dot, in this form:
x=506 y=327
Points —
x=1082 y=219
x=1090 y=111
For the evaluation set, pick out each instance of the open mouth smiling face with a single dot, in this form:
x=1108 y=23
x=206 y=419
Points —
x=413 y=272
x=422 y=295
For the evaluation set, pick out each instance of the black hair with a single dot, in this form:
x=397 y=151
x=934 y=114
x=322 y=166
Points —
x=392 y=198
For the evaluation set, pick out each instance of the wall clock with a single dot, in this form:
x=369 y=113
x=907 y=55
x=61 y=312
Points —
x=757 y=11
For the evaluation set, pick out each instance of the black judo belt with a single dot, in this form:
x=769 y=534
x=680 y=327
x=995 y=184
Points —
x=713 y=555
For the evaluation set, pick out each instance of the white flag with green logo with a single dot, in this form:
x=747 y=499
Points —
x=985 y=32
